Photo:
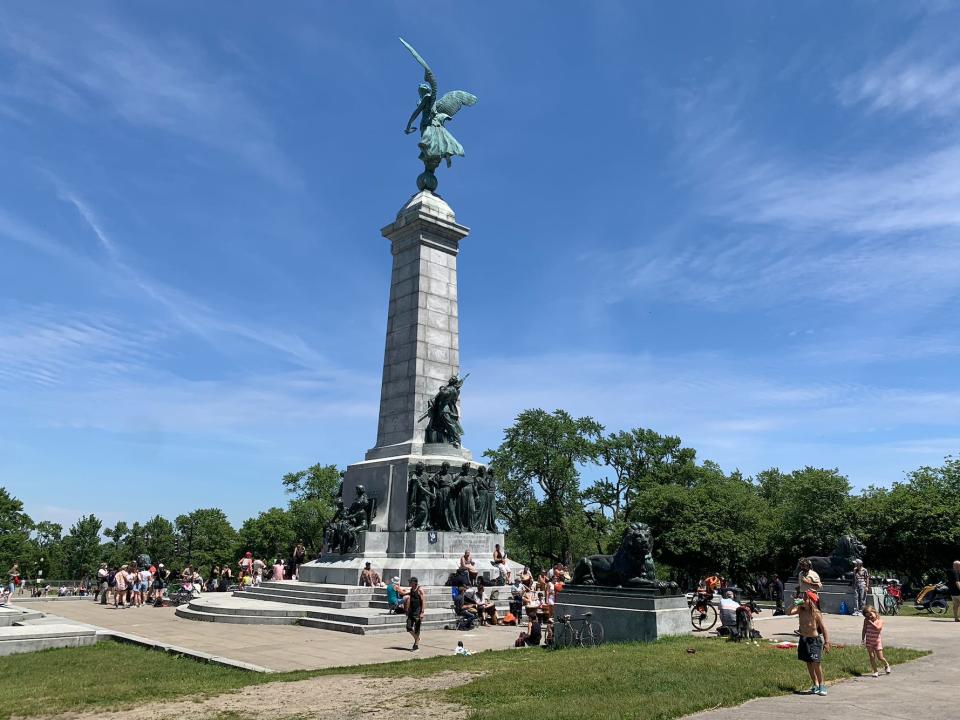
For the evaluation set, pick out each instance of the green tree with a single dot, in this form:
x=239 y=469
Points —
x=15 y=527
x=638 y=459
x=810 y=509
x=82 y=548
x=159 y=539
x=317 y=482
x=912 y=529
x=269 y=535
x=46 y=543
x=314 y=491
x=205 y=538
x=539 y=483
x=718 y=523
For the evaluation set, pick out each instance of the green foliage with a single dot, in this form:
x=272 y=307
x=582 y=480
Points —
x=269 y=535
x=913 y=528
x=810 y=509
x=317 y=482
x=717 y=523
x=15 y=527
x=81 y=548
x=308 y=517
x=539 y=484
x=639 y=460
x=206 y=538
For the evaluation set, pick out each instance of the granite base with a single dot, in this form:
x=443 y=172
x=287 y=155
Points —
x=431 y=557
x=627 y=615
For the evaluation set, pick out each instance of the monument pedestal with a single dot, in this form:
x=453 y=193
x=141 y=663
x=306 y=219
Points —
x=429 y=556
x=835 y=592
x=627 y=615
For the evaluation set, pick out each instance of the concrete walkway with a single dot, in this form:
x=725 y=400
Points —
x=276 y=647
x=925 y=688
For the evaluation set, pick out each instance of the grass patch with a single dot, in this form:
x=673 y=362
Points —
x=652 y=681
x=111 y=674
x=649 y=681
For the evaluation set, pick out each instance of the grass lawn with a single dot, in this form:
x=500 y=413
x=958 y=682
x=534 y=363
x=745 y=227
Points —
x=109 y=674
x=656 y=681
x=652 y=681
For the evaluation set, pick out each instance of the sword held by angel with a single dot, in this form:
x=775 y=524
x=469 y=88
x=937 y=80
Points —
x=436 y=142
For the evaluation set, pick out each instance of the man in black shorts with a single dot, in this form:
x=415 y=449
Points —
x=415 y=608
x=953 y=586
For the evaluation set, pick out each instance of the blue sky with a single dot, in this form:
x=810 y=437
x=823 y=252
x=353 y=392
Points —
x=733 y=222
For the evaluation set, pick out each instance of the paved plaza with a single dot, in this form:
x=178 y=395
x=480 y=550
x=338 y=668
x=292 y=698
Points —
x=277 y=647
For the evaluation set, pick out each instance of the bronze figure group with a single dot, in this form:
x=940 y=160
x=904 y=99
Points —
x=342 y=533
x=440 y=500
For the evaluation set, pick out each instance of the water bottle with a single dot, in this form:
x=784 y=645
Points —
x=843 y=607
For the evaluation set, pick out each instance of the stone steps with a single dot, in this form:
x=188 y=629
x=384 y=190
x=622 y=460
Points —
x=343 y=608
x=301 y=599
x=370 y=629
x=236 y=619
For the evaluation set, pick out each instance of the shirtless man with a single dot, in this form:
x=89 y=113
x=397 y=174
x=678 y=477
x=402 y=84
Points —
x=814 y=640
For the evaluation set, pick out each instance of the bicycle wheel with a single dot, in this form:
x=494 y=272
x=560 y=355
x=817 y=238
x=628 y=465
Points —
x=703 y=617
x=564 y=637
x=591 y=634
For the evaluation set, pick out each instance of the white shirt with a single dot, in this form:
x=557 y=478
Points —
x=728 y=611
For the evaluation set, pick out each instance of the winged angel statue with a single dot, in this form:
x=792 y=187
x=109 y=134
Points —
x=436 y=143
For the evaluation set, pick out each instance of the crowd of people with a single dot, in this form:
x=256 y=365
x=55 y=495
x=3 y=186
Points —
x=530 y=606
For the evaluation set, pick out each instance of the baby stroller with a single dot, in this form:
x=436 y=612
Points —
x=933 y=598
x=183 y=594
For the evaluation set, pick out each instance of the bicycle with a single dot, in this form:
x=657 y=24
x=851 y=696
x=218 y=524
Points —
x=703 y=614
x=890 y=604
x=587 y=634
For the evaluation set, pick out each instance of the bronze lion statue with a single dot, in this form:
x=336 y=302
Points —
x=630 y=566
x=839 y=564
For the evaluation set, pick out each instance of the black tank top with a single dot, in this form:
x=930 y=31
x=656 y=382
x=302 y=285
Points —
x=414 y=607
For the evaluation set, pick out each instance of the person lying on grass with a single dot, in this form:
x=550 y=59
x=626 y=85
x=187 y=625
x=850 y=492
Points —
x=813 y=640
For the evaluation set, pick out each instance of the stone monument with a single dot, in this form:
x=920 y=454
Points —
x=836 y=572
x=622 y=592
x=417 y=500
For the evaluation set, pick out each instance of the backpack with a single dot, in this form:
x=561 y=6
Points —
x=112 y=579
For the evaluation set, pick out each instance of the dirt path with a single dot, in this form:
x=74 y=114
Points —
x=329 y=697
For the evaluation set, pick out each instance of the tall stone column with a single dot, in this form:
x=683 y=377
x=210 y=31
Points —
x=421 y=353
x=423 y=336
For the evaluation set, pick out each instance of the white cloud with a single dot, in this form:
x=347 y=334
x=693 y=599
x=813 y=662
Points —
x=83 y=65
x=914 y=78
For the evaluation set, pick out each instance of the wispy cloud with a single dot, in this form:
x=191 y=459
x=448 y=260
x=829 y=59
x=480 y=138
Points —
x=187 y=312
x=81 y=64
x=914 y=78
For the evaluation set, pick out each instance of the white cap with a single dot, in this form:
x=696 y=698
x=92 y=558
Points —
x=396 y=579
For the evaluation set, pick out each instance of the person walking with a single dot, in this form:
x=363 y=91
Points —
x=13 y=582
x=298 y=557
x=813 y=640
x=776 y=593
x=120 y=587
x=416 y=606
x=870 y=637
x=861 y=586
x=954 y=587
x=102 y=587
